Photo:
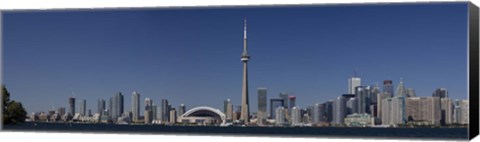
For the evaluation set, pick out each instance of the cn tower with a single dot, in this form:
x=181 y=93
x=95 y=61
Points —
x=245 y=109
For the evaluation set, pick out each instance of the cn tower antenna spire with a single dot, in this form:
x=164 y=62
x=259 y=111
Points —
x=245 y=28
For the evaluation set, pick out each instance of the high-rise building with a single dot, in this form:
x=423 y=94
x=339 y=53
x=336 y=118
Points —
x=318 y=113
x=262 y=106
x=411 y=92
x=83 y=107
x=401 y=91
x=274 y=103
x=135 y=106
x=71 y=106
x=284 y=97
x=159 y=112
x=148 y=111
x=351 y=106
x=296 y=116
x=101 y=106
x=229 y=113
x=117 y=107
x=173 y=116
x=461 y=112
x=354 y=82
x=380 y=98
x=154 y=112
x=308 y=117
x=110 y=107
x=388 y=87
x=329 y=111
x=225 y=103
x=61 y=111
x=182 y=110
x=393 y=111
x=165 y=111
x=446 y=106
x=280 y=116
x=440 y=92
x=147 y=117
x=244 y=115
x=291 y=102
x=363 y=99
x=373 y=94
x=339 y=110
x=423 y=109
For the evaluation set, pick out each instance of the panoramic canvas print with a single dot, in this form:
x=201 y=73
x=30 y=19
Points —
x=365 y=70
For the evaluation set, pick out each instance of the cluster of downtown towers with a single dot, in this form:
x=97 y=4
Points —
x=361 y=106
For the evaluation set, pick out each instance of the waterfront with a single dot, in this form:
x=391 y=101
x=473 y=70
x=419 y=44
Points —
x=397 y=133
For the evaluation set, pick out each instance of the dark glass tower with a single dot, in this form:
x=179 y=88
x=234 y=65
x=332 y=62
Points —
x=262 y=99
x=388 y=87
x=274 y=103
x=71 y=104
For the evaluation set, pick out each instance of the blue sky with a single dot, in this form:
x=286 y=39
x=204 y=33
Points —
x=192 y=56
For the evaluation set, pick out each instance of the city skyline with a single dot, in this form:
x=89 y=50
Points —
x=219 y=78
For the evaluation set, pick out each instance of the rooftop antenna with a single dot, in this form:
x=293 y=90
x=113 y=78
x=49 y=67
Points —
x=355 y=74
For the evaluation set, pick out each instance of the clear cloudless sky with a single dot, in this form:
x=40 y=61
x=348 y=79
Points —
x=192 y=55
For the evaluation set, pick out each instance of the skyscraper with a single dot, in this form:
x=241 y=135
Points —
x=135 y=105
x=280 y=116
x=181 y=110
x=440 y=92
x=284 y=97
x=339 y=110
x=373 y=93
x=318 y=111
x=262 y=105
x=83 y=107
x=411 y=92
x=110 y=107
x=229 y=113
x=159 y=112
x=426 y=109
x=101 y=106
x=461 y=112
x=165 y=111
x=296 y=116
x=329 y=111
x=71 y=107
x=244 y=115
x=274 y=103
x=173 y=116
x=61 y=111
x=388 y=87
x=363 y=100
x=225 y=103
x=351 y=106
x=446 y=106
x=380 y=98
x=291 y=102
x=353 y=82
x=148 y=111
x=117 y=107
x=401 y=91
x=154 y=112
x=393 y=111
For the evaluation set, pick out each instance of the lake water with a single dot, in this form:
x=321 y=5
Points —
x=396 y=133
